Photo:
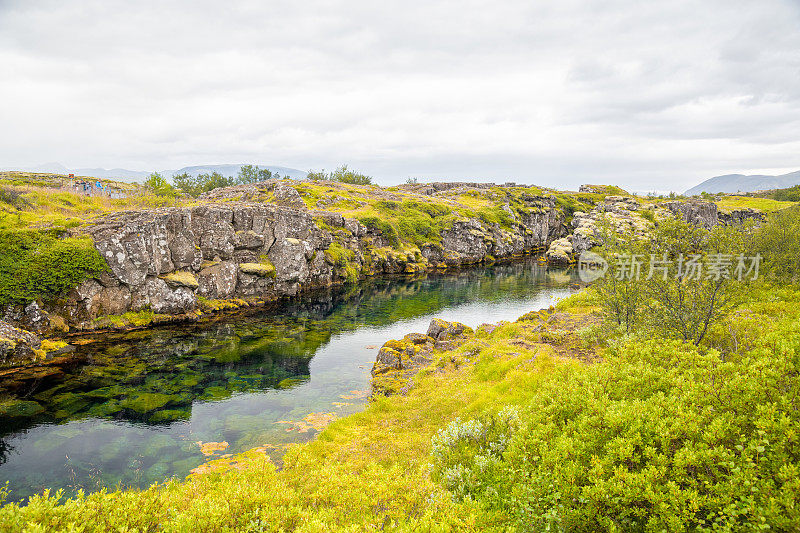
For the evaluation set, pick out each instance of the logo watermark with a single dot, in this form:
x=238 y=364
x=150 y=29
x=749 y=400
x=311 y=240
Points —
x=591 y=266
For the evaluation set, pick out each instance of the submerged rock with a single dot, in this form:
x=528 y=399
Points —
x=20 y=409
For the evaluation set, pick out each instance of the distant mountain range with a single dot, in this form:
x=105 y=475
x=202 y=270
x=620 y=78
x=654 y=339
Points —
x=732 y=183
x=122 y=174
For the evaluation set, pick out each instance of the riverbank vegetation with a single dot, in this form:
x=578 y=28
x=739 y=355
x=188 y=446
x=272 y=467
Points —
x=565 y=420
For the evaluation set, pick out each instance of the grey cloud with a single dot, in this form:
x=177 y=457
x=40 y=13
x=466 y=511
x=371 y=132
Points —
x=555 y=92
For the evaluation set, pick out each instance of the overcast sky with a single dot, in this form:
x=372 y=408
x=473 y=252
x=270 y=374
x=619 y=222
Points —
x=650 y=95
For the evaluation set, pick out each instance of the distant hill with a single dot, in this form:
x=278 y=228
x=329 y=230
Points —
x=122 y=174
x=119 y=174
x=233 y=170
x=732 y=183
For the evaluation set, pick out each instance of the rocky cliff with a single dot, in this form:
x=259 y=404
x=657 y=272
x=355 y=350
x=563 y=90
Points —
x=178 y=261
x=631 y=216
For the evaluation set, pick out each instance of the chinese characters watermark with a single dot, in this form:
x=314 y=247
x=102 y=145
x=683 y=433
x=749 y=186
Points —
x=592 y=266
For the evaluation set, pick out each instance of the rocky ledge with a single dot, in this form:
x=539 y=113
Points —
x=627 y=215
x=398 y=361
x=177 y=262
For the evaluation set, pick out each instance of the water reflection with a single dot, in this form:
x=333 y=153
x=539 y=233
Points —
x=129 y=408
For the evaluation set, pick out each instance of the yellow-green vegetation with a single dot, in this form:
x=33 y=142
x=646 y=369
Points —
x=264 y=268
x=49 y=345
x=43 y=264
x=213 y=305
x=565 y=420
x=181 y=278
x=767 y=205
x=131 y=319
x=37 y=257
x=47 y=200
x=659 y=435
x=408 y=218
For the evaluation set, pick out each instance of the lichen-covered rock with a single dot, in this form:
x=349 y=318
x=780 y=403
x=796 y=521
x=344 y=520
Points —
x=398 y=361
x=694 y=211
x=161 y=298
x=218 y=280
x=560 y=252
x=17 y=345
x=738 y=216
x=442 y=330
x=289 y=197
x=180 y=278
x=164 y=258
x=263 y=270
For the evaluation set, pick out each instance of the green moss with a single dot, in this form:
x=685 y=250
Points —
x=141 y=318
x=41 y=264
x=146 y=402
x=207 y=304
x=338 y=255
x=181 y=278
x=20 y=408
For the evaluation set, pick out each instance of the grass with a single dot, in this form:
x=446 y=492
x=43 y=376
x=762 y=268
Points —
x=370 y=471
x=367 y=471
x=731 y=203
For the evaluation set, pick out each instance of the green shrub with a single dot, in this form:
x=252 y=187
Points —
x=39 y=264
x=779 y=242
x=159 y=186
x=341 y=174
x=659 y=437
x=383 y=226
x=792 y=194
x=196 y=185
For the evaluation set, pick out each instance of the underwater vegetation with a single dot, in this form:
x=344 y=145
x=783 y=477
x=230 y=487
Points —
x=130 y=408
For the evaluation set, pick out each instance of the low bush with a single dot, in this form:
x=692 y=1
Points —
x=341 y=174
x=660 y=437
x=40 y=264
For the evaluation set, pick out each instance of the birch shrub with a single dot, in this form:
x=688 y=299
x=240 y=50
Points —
x=659 y=437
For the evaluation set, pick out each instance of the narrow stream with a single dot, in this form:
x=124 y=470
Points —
x=133 y=410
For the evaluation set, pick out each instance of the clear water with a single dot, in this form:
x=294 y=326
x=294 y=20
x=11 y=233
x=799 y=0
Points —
x=133 y=410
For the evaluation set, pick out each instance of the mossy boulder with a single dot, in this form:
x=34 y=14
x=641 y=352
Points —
x=264 y=270
x=181 y=278
x=442 y=330
x=560 y=252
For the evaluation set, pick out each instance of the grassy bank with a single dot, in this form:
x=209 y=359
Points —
x=729 y=411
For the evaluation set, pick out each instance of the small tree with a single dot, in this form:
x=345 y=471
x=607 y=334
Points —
x=341 y=174
x=159 y=186
x=619 y=293
x=694 y=285
x=253 y=174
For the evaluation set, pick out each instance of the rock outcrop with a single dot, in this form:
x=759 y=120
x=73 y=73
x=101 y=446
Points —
x=625 y=215
x=398 y=361
x=17 y=345
x=170 y=261
x=620 y=212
